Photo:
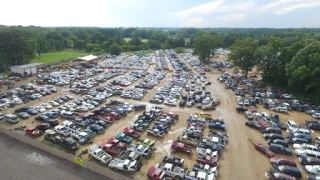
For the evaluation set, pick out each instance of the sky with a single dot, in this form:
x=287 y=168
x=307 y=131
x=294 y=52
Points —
x=162 y=13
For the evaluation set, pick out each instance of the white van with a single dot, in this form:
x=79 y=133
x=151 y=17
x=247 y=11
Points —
x=292 y=125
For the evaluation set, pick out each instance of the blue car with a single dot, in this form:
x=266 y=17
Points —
x=161 y=127
x=96 y=128
x=32 y=111
x=217 y=124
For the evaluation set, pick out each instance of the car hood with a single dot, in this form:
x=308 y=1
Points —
x=274 y=160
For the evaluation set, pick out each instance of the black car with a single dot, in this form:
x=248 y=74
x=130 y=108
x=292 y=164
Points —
x=275 y=117
x=241 y=109
x=282 y=125
x=53 y=122
x=154 y=100
x=278 y=148
x=278 y=141
x=292 y=171
x=23 y=115
x=253 y=124
x=32 y=111
x=51 y=115
x=23 y=109
x=307 y=160
x=102 y=123
x=70 y=143
x=42 y=118
x=295 y=140
x=314 y=126
x=182 y=102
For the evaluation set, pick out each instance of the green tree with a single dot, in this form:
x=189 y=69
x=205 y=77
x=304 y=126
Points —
x=82 y=35
x=204 y=45
x=136 y=41
x=153 y=44
x=97 y=38
x=15 y=47
x=180 y=42
x=191 y=40
x=115 y=49
x=304 y=70
x=243 y=54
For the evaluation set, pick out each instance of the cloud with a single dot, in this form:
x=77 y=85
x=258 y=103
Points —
x=200 y=9
x=193 y=22
x=280 y=7
x=231 y=17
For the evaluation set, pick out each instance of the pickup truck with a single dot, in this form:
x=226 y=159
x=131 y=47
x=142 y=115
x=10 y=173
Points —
x=173 y=160
x=199 y=176
x=109 y=148
x=69 y=143
x=193 y=129
x=147 y=142
x=158 y=174
x=215 y=140
x=177 y=146
x=205 y=168
x=132 y=133
x=171 y=115
x=175 y=171
x=124 y=165
x=205 y=159
x=74 y=129
x=211 y=146
x=155 y=132
x=130 y=155
x=62 y=130
x=123 y=138
x=217 y=124
x=52 y=136
x=82 y=137
x=144 y=151
x=99 y=154
x=207 y=152
x=117 y=143
x=187 y=140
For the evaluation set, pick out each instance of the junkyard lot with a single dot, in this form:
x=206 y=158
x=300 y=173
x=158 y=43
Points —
x=239 y=159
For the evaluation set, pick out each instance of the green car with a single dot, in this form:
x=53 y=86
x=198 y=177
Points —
x=147 y=143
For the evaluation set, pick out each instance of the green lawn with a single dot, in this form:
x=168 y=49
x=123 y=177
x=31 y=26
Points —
x=143 y=40
x=53 y=57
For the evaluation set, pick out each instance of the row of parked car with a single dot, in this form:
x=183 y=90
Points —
x=23 y=94
x=208 y=150
x=125 y=151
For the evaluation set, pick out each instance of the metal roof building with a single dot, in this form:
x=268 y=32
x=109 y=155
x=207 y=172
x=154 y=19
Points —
x=89 y=58
x=34 y=68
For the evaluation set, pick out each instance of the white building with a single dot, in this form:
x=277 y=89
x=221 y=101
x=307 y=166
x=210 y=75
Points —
x=34 y=68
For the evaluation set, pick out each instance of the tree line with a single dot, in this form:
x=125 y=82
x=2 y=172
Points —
x=287 y=57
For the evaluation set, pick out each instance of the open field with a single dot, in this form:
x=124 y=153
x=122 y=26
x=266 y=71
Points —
x=239 y=161
x=143 y=40
x=54 y=57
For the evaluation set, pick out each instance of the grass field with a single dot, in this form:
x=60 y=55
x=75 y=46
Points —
x=53 y=57
x=143 y=40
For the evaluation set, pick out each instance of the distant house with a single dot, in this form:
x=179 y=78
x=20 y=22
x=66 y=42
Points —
x=88 y=59
x=26 y=68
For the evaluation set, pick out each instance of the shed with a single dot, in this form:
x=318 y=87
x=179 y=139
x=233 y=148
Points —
x=89 y=59
x=28 y=68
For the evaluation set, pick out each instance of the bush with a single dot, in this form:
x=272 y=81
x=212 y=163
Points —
x=115 y=49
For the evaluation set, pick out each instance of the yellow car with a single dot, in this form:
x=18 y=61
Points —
x=204 y=116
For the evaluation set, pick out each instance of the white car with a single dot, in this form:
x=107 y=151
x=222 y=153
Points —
x=46 y=105
x=39 y=109
x=313 y=169
x=53 y=103
x=305 y=146
x=292 y=125
x=316 y=115
x=11 y=118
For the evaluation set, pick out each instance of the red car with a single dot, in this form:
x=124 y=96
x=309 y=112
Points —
x=132 y=133
x=117 y=143
x=196 y=125
x=114 y=115
x=264 y=150
x=43 y=127
x=211 y=161
x=283 y=161
x=263 y=124
x=110 y=149
x=177 y=146
x=34 y=132
x=158 y=174
x=253 y=109
x=171 y=115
